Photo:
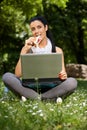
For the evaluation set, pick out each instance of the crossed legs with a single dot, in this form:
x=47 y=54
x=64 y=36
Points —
x=15 y=85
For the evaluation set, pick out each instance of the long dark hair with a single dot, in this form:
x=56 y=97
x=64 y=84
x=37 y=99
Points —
x=48 y=32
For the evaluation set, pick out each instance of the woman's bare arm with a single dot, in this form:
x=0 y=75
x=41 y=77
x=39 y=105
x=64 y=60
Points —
x=26 y=48
x=62 y=75
x=18 y=68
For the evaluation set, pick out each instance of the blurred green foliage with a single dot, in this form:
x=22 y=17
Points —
x=67 y=19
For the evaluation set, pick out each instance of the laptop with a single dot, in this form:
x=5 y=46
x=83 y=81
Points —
x=41 y=67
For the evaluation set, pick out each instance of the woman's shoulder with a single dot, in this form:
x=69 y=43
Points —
x=58 y=49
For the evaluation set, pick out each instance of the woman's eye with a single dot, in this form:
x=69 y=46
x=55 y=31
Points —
x=32 y=29
x=39 y=27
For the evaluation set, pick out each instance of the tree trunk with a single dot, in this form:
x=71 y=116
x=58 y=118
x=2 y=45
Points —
x=80 y=51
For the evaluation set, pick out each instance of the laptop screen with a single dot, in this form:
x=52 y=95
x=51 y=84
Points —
x=41 y=65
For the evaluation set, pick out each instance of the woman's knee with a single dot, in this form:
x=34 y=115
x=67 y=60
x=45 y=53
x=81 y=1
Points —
x=6 y=76
x=72 y=82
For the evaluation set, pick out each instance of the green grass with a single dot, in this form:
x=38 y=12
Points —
x=36 y=115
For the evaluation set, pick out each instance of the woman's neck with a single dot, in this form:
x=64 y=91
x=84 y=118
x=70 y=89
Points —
x=43 y=43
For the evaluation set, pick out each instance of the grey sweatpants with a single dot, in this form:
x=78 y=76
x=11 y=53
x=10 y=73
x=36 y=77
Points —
x=62 y=90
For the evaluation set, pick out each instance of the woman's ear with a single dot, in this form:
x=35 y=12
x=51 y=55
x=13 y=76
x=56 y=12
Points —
x=46 y=27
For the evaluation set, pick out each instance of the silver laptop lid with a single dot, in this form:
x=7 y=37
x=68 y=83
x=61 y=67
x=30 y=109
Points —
x=41 y=65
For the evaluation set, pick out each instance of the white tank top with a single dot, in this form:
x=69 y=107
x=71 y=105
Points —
x=46 y=49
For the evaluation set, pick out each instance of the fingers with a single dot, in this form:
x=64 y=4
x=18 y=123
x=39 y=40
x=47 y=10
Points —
x=29 y=42
x=62 y=75
x=33 y=41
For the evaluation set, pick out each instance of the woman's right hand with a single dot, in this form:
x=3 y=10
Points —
x=28 y=44
x=32 y=41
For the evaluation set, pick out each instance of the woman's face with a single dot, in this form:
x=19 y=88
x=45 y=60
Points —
x=38 y=29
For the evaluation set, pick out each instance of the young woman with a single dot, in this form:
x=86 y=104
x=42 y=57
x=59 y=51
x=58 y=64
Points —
x=40 y=42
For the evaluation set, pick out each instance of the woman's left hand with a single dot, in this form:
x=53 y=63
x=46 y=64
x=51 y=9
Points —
x=62 y=75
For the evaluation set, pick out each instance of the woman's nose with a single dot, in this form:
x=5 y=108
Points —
x=36 y=31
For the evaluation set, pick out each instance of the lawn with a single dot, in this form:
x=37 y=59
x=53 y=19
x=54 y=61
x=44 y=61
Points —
x=37 y=115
